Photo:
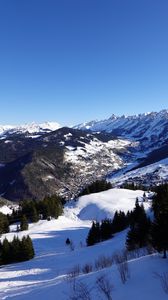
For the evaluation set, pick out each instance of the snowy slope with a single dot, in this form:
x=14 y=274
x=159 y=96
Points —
x=90 y=156
x=152 y=174
x=44 y=277
x=142 y=284
x=103 y=205
x=148 y=127
x=135 y=123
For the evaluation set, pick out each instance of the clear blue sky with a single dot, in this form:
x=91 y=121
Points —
x=75 y=60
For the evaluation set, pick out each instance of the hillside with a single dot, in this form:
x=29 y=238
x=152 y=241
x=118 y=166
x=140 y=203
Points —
x=62 y=161
x=148 y=127
x=45 y=275
x=37 y=160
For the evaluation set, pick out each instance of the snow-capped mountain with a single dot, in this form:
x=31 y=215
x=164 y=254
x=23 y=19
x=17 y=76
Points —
x=150 y=132
x=41 y=159
x=148 y=127
x=32 y=128
x=62 y=161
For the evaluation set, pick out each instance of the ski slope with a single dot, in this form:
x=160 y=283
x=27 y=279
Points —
x=44 y=277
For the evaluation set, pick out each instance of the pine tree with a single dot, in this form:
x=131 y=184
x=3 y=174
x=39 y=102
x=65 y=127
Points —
x=34 y=216
x=6 y=253
x=160 y=224
x=138 y=235
x=106 y=229
x=24 y=223
x=120 y=221
x=27 y=248
x=15 y=249
x=160 y=234
x=94 y=234
x=4 y=223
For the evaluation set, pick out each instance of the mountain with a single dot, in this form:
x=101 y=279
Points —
x=145 y=128
x=40 y=160
x=149 y=132
x=32 y=128
x=62 y=161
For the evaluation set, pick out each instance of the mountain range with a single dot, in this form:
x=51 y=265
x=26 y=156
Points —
x=42 y=159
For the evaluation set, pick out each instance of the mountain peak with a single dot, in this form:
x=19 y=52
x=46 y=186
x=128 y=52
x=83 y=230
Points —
x=30 y=128
x=142 y=126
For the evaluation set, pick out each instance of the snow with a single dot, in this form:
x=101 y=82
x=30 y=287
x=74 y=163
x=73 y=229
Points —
x=103 y=205
x=147 y=125
x=48 y=177
x=5 y=210
x=96 y=147
x=30 y=128
x=44 y=277
x=34 y=127
x=4 y=128
x=7 y=142
x=160 y=167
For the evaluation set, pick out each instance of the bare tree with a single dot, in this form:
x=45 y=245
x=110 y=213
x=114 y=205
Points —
x=163 y=280
x=72 y=275
x=87 y=268
x=103 y=262
x=122 y=265
x=81 y=292
x=105 y=286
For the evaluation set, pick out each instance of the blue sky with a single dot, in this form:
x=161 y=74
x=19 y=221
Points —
x=75 y=60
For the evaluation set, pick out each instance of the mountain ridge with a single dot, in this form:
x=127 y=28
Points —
x=34 y=164
x=30 y=128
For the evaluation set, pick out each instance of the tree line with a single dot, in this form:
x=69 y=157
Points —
x=32 y=211
x=142 y=231
x=29 y=211
x=104 y=230
x=96 y=187
x=16 y=251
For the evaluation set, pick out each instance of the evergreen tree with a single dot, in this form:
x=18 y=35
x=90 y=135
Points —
x=15 y=249
x=160 y=225
x=159 y=234
x=106 y=229
x=120 y=221
x=160 y=200
x=96 y=186
x=24 y=223
x=34 y=216
x=6 y=253
x=27 y=250
x=94 y=234
x=51 y=207
x=138 y=235
x=4 y=224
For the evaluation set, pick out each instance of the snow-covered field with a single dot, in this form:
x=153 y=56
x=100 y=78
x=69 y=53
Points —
x=44 y=277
